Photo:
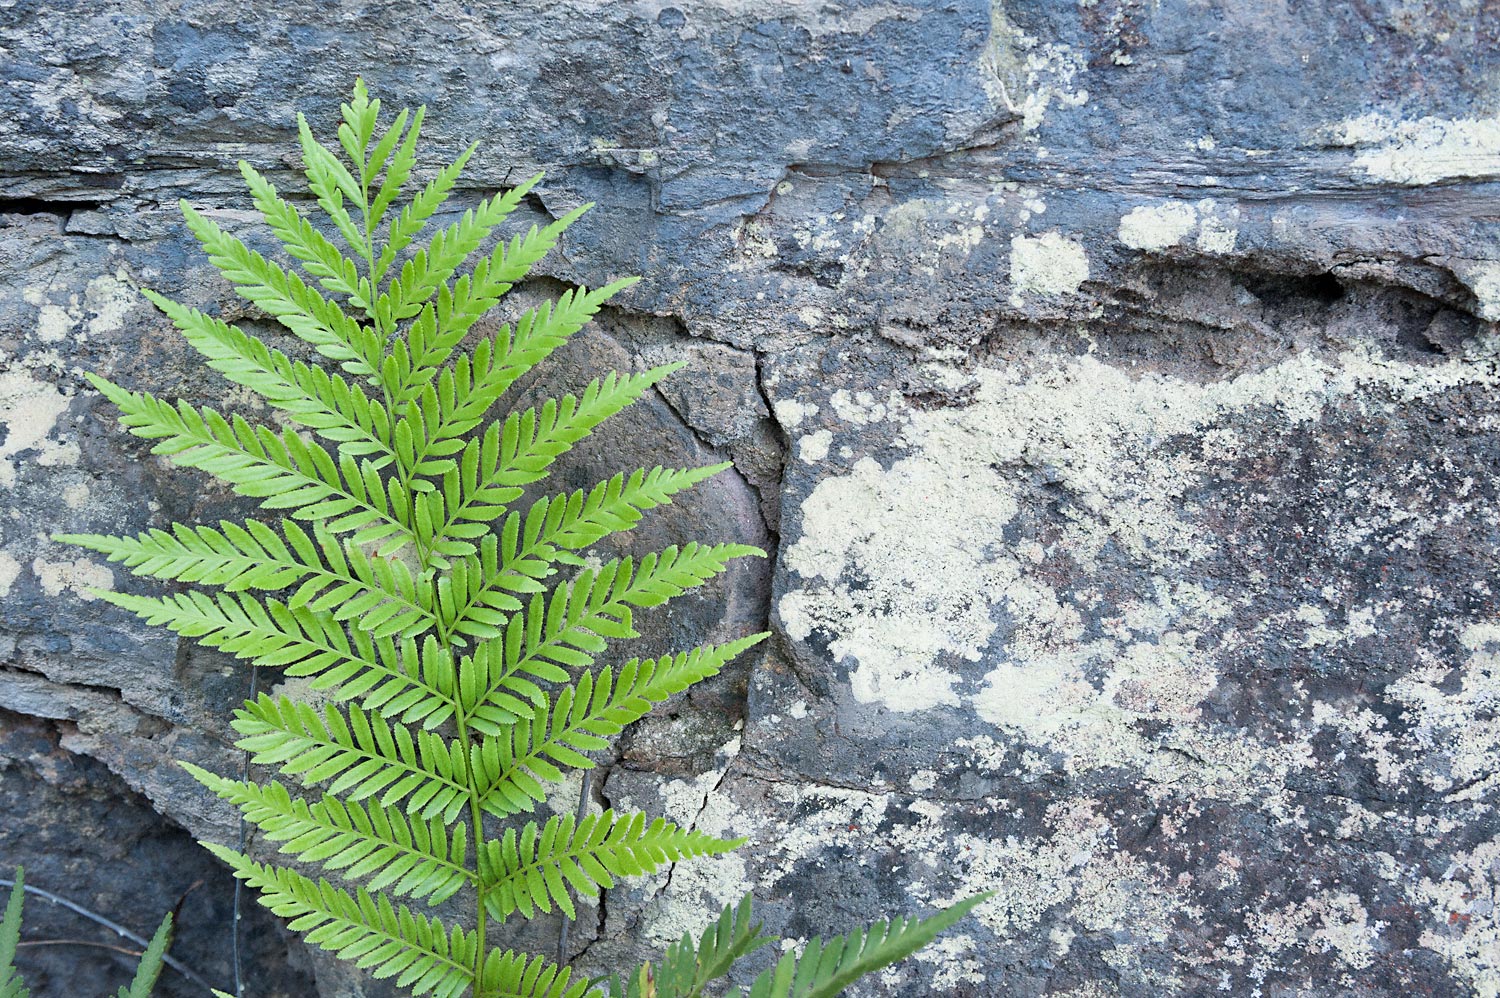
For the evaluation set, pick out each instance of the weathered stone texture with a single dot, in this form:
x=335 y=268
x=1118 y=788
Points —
x=1115 y=384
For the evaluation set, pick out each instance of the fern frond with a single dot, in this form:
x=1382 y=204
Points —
x=438 y=415
x=397 y=683
x=430 y=267
x=492 y=471
x=523 y=553
x=571 y=626
x=359 y=753
x=475 y=294
x=286 y=297
x=365 y=928
x=377 y=845
x=508 y=974
x=331 y=181
x=329 y=405
x=320 y=258
x=686 y=969
x=282 y=471
x=11 y=985
x=414 y=217
x=149 y=969
x=824 y=970
x=534 y=869
x=397 y=173
x=378 y=594
x=512 y=766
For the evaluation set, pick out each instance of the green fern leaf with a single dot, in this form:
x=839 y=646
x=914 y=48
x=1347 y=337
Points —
x=398 y=683
x=512 y=767
x=430 y=267
x=335 y=409
x=397 y=161
x=686 y=969
x=378 y=594
x=526 y=549
x=11 y=985
x=475 y=294
x=331 y=181
x=571 y=626
x=439 y=415
x=291 y=302
x=414 y=217
x=534 y=869
x=376 y=845
x=824 y=970
x=319 y=257
x=357 y=753
x=282 y=471
x=365 y=928
x=149 y=969
x=514 y=975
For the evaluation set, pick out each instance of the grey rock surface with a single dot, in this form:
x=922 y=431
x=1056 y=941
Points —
x=1114 y=384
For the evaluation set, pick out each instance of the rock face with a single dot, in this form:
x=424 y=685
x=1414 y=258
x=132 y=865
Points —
x=1115 y=384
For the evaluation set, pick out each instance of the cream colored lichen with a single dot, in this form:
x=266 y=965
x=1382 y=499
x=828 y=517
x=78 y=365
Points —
x=10 y=570
x=1462 y=909
x=1155 y=227
x=1028 y=76
x=1422 y=151
x=77 y=576
x=813 y=447
x=29 y=412
x=790 y=413
x=1453 y=734
x=922 y=539
x=1047 y=265
x=689 y=889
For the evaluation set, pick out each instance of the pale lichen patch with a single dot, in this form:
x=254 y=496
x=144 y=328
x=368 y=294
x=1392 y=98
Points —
x=813 y=447
x=921 y=538
x=1027 y=76
x=1463 y=916
x=1482 y=278
x=10 y=570
x=1457 y=731
x=1048 y=265
x=1155 y=227
x=1423 y=151
x=790 y=413
x=53 y=323
x=911 y=531
x=29 y=411
x=77 y=576
x=108 y=300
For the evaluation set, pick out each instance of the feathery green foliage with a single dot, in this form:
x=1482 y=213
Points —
x=11 y=985
x=149 y=969
x=452 y=638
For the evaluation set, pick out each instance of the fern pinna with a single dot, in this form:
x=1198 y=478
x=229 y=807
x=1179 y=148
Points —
x=456 y=678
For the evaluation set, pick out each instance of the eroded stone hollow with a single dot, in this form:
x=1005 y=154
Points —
x=1113 y=383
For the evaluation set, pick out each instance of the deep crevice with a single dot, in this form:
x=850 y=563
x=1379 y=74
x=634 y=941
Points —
x=60 y=210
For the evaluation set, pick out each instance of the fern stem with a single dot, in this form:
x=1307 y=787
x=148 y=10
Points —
x=476 y=819
x=583 y=807
x=234 y=937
